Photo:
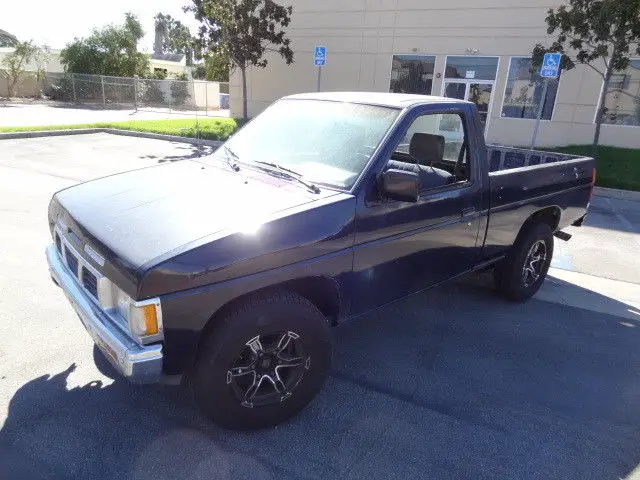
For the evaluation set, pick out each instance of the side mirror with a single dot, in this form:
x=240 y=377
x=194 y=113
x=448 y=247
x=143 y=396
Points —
x=400 y=185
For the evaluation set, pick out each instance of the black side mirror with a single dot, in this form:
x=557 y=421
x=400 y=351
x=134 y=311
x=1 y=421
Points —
x=400 y=185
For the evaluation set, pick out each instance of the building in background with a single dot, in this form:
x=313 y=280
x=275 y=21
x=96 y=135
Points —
x=170 y=64
x=474 y=50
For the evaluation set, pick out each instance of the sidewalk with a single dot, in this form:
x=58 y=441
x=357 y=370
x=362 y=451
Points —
x=34 y=114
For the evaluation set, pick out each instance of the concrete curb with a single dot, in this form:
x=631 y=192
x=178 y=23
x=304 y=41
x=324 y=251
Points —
x=48 y=133
x=113 y=131
x=615 y=193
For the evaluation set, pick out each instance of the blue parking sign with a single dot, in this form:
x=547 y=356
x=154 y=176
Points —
x=550 y=65
x=320 y=56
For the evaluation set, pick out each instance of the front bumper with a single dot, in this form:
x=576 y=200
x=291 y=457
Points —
x=139 y=364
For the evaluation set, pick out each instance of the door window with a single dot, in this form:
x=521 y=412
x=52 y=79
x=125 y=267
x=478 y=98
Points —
x=434 y=146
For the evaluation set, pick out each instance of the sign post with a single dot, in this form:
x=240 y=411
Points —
x=320 y=60
x=550 y=69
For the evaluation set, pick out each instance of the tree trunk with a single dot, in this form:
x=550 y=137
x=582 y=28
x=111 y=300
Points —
x=243 y=73
x=601 y=109
x=11 y=86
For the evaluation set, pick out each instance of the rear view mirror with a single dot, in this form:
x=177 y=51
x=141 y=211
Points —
x=400 y=185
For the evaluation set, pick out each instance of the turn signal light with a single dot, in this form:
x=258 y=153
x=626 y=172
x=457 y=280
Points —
x=143 y=319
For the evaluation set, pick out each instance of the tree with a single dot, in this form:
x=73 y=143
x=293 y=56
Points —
x=16 y=62
x=111 y=50
x=597 y=33
x=243 y=31
x=7 y=40
x=172 y=36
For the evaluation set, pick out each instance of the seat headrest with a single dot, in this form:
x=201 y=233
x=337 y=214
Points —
x=426 y=148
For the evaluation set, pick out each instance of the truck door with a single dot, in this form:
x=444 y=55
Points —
x=403 y=247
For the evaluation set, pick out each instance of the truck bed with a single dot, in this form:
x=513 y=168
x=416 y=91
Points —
x=502 y=157
x=523 y=181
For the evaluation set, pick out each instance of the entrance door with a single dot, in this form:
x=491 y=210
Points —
x=474 y=91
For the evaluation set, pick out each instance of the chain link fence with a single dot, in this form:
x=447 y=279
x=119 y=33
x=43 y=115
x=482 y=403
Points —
x=138 y=93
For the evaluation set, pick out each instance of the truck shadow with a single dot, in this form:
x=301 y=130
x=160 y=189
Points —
x=450 y=383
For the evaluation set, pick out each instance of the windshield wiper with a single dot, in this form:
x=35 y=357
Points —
x=291 y=174
x=232 y=158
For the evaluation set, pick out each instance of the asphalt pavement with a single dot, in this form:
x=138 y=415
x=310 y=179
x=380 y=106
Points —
x=450 y=383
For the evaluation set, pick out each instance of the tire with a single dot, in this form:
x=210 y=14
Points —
x=287 y=378
x=511 y=280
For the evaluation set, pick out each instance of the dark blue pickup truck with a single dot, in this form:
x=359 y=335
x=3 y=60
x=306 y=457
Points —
x=228 y=270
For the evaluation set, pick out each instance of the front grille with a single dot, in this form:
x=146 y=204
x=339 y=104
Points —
x=80 y=268
x=72 y=262
x=90 y=282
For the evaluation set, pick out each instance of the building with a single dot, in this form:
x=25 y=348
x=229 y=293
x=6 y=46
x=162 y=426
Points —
x=477 y=50
x=29 y=85
x=169 y=64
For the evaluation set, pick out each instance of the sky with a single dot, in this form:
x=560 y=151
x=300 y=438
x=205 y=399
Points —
x=55 y=23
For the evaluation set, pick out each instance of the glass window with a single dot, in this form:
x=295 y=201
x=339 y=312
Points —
x=480 y=68
x=412 y=74
x=447 y=125
x=622 y=102
x=327 y=142
x=524 y=91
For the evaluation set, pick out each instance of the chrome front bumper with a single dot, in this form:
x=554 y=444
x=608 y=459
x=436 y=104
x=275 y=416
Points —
x=139 y=364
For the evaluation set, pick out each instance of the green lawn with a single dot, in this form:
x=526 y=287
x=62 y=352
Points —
x=208 y=128
x=616 y=167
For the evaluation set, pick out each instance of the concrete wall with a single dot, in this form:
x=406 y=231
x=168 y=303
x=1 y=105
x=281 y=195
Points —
x=362 y=36
x=52 y=65
x=27 y=86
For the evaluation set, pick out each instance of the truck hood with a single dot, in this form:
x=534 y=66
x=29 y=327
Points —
x=138 y=217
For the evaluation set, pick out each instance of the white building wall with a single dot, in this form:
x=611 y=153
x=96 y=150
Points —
x=361 y=37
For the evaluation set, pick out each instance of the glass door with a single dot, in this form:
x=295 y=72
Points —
x=455 y=90
x=480 y=94
x=472 y=91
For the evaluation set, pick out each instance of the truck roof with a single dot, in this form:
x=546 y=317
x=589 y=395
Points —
x=395 y=100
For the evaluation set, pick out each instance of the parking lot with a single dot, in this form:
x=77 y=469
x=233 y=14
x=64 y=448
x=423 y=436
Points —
x=451 y=383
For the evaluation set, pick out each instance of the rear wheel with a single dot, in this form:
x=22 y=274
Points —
x=519 y=276
x=264 y=362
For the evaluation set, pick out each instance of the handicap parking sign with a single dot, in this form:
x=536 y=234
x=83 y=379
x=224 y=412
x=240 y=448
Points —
x=320 y=56
x=550 y=65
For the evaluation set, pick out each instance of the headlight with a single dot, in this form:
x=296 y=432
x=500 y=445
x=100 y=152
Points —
x=143 y=318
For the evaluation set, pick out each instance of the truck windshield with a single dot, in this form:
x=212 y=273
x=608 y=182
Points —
x=328 y=143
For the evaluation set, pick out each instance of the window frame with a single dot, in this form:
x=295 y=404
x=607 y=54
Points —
x=504 y=95
x=465 y=147
x=412 y=54
x=595 y=113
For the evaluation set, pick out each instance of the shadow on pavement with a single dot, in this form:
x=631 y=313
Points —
x=614 y=214
x=190 y=151
x=451 y=383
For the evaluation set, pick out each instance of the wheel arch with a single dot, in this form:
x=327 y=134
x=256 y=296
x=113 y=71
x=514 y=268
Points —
x=321 y=291
x=549 y=215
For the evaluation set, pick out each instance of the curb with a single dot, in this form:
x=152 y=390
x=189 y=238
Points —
x=113 y=131
x=160 y=136
x=48 y=133
x=618 y=194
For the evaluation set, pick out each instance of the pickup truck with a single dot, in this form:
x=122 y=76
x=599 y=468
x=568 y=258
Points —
x=225 y=272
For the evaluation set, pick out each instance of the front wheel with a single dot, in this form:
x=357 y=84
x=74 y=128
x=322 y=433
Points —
x=264 y=362
x=521 y=274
